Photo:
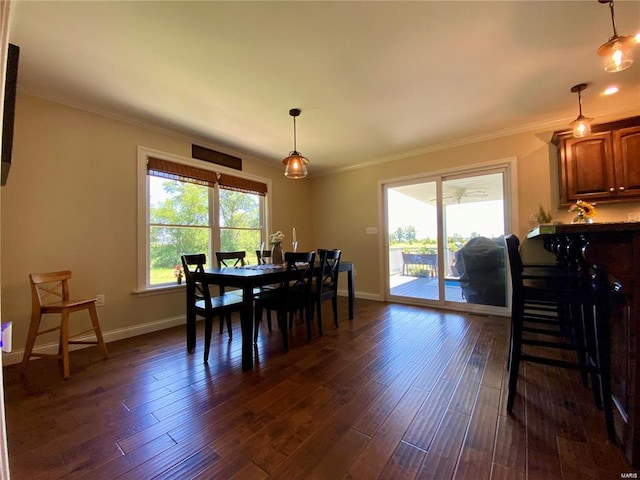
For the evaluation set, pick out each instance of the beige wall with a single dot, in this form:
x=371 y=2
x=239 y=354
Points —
x=70 y=203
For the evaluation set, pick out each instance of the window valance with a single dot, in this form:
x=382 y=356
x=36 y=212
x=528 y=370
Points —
x=200 y=176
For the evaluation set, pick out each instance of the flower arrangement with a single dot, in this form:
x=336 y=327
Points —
x=542 y=216
x=583 y=210
x=178 y=273
x=276 y=238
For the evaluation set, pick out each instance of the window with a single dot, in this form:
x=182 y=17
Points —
x=187 y=206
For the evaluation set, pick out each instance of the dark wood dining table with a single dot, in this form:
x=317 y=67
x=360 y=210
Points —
x=247 y=278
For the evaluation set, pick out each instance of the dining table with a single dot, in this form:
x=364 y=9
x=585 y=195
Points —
x=247 y=278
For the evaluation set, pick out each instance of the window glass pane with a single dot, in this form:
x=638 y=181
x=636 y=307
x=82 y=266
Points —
x=240 y=222
x=474 y=226
x=247 y=240
x=239 y=210
x=167 y=244
x=177 y=203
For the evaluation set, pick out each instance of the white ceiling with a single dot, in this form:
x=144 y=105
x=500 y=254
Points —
x=374 y=80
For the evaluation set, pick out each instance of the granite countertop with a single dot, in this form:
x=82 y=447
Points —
x=580 y=228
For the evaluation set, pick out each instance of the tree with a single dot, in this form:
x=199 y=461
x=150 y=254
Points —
x=188 y=204
x=410 y=234
x=185 y=204
x=239 y=211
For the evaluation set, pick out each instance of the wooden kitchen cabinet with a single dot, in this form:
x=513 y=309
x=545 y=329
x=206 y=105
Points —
x=603 y=167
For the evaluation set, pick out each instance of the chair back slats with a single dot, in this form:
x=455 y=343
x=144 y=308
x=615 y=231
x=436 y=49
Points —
x=231 y=259
x=191 y=264
x=327 y=277
x=264 y=256
x=49 y=287
x=300 y=266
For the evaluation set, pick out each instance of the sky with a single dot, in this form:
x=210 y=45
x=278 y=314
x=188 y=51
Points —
x=483 y=217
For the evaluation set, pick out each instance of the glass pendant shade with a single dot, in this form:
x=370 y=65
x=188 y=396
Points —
x=617 y=53
x=296 y=165
x=581 y=125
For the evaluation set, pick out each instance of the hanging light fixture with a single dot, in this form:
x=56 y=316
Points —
x=581 y=125
x=617 y=51
x=296 y=164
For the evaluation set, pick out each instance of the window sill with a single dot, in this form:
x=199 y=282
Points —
x=147 y=292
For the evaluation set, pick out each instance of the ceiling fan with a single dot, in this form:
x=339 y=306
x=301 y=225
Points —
x=456 y=194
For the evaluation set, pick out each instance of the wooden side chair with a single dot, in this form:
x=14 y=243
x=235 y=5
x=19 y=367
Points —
x=200 y=302
x=50 y=295
x=325 y=286
x=293 y=295
x=263 y=256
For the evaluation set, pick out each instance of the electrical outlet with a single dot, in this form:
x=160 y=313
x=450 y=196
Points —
x=100 y=300
x=633 y=217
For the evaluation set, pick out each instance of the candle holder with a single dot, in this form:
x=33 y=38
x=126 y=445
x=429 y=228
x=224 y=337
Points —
x=295 y=246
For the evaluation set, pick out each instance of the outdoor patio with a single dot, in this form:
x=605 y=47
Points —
x=424 y=287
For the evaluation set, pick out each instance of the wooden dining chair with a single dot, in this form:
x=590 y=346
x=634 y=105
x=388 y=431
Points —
x=195 y=263
x=325 y=286
x=293 y=295
x=264 y=256
x=201 y=302
x=237 y=259
x=50 y=295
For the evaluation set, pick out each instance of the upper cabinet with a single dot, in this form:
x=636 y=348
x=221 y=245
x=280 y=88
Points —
x=603 y=167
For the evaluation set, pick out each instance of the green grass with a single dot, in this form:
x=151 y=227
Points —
x=162 y=275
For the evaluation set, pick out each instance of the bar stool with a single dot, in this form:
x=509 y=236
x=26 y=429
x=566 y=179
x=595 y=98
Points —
x=575 y=317
x=55 y=285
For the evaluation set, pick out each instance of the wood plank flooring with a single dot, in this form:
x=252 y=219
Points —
x=400 y=392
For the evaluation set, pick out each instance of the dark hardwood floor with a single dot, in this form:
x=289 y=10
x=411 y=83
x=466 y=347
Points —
x=400 y=392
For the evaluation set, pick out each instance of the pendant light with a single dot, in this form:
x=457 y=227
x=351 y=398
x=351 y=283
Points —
x=581 y=125
x=296 y=164
x=617 y=51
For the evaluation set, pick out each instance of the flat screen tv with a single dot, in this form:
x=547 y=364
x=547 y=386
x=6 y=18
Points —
x=11 y=84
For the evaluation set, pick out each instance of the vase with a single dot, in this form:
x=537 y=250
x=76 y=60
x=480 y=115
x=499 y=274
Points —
x=580 y=218
x=276 y=254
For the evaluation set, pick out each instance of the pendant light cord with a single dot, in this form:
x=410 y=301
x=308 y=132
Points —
x=613 y=20
x=295 y=148
x=580 y=101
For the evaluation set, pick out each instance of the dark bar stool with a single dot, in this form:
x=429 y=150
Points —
x=554 y=310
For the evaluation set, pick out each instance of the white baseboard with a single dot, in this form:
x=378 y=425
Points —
x=109 y=336
x=365 y=296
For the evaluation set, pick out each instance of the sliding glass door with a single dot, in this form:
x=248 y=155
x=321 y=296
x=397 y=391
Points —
x=445 y=240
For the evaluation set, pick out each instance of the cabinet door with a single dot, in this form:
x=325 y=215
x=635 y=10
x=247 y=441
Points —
x=588 y=168
x=626 y=143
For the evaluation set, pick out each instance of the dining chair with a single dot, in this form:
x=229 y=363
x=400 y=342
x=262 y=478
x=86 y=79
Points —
x=201 y=302
x=294 y=294
x=325 y=286
x=50 y=295
x=264 y=256
x=198 y=261
x=237 y=259
x=552 y=313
